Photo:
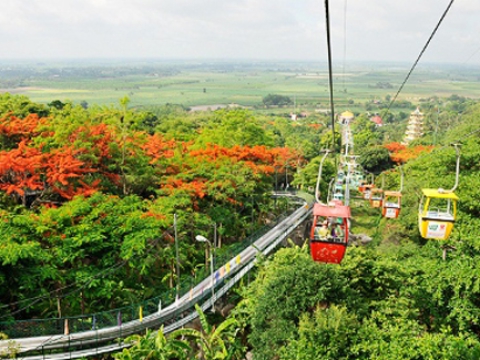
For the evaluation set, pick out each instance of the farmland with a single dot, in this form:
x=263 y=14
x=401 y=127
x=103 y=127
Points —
x=243 y=83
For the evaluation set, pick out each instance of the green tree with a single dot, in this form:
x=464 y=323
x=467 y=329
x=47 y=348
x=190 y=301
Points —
x=284 y=290
x=278 y=100
x=326 y=334
x=307 y=177
x=155 y=346
x=57 y=104
x=375 y=159
x=326 y=141
x=20 y=105
x=215 y=342
x=234 y=127
x=365 y=133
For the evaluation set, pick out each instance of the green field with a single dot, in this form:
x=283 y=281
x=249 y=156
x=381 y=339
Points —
x=225 y=83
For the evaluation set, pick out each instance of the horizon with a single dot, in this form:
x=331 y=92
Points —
x=205 y=61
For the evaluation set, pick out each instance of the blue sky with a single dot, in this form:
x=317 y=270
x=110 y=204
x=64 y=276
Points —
x=384 y=30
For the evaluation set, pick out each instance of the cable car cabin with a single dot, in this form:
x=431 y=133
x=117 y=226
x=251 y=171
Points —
x=391 y=204
x=367 y=191
x=358 y=175
x=329 y=233
x=338 y=194
x=361 y=186
x=356 y=181
x=365 y=185
x=437 y=213
x=376 y=198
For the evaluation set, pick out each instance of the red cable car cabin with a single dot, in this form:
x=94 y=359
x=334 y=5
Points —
x=361 y=186
x=329 y=234
x=335 y=202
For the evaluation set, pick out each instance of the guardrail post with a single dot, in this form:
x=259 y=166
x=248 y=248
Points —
x=119 y=323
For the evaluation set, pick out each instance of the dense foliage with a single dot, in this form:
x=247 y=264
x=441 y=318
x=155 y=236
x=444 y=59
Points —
x=207 y=342
x=275 y=99
x=79 y=184
x=396 y=299
x=378 y=304
x=88 y=196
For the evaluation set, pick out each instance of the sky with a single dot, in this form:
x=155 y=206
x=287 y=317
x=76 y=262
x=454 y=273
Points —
x=362 y=30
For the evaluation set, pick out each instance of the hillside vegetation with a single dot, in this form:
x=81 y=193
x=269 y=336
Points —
x=394 y=299
x=88 y=198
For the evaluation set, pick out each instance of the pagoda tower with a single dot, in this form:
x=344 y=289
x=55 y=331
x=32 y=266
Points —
x=414 y=127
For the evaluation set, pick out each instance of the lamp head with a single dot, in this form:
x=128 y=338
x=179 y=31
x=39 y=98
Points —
x=201 y=238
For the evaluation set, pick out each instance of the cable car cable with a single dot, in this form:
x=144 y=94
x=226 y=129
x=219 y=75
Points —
x=420 y=55
x=344 y=42
x=329 y=245
x=330 y=76
x=471 y=56
x=332 y=108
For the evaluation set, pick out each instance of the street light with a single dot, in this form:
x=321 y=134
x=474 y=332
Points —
x=176 y=258
x=201 y=238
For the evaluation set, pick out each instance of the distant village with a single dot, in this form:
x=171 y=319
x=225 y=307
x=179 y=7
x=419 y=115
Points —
x=414 y=126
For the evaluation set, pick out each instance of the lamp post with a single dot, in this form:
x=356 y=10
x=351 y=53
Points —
x=176 y=258
x=201 y=238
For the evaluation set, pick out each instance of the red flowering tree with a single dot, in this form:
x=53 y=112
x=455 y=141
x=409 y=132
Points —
x=400 y=153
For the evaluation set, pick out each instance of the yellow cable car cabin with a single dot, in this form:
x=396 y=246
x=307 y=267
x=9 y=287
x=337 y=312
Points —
x=437 y=214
